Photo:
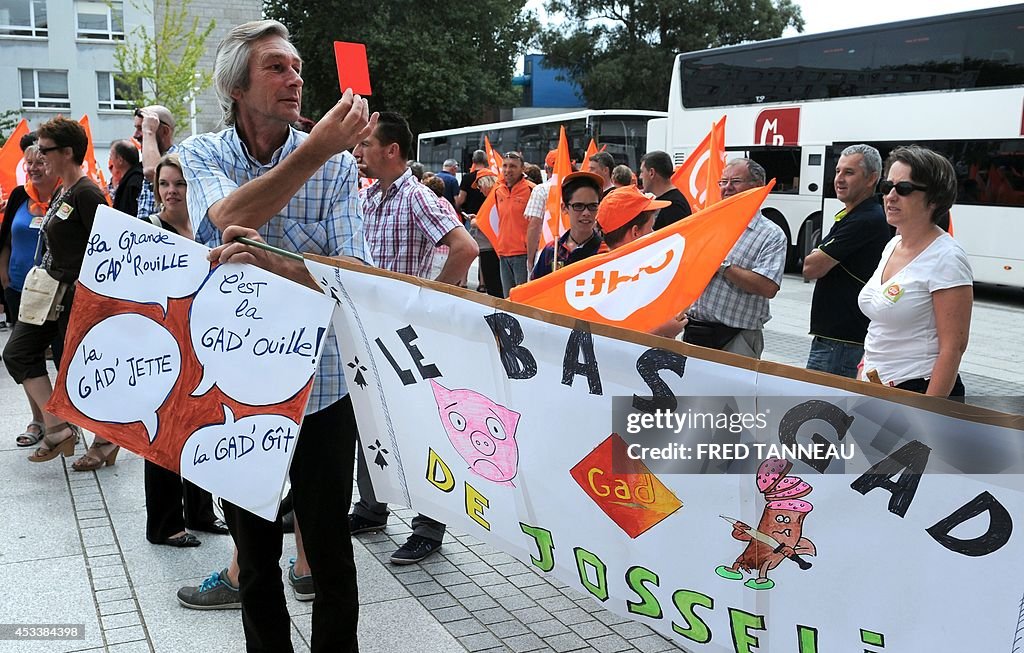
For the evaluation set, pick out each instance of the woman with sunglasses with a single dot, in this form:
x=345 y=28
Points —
x=919 y=300
x=22 y=219
x=65 y=231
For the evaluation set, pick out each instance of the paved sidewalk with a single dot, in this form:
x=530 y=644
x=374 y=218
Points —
x=73 y=551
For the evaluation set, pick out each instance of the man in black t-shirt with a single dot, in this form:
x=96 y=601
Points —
x=470 y=199
x=844 y=262
x=656 y=175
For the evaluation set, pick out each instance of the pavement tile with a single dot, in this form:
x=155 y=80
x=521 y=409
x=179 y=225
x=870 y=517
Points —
x=435 y=601
x=126 y=634
x=503 y=589
x=131 y=647
x=492 y=615
x=547 y=627
x=461 y=558
x=435 y=566
x=411 y=574
x=607 y=617
x=479 y=641
x=451 y=578
x=110 y=582
x=424 y=589
x=120 y=620
x=632 y=630
x=115 y=594
x=540 y=591
x=566 y=642
x=391 y=626
x=590 y=628
x=528 y=580
x=506 y=629
x=653 y=643
x=475 y=567
x=465 y=627
x=116 y=607
x=524 y=643
x=452 y=613
x=558 y=603
x=480 y=602
x=573 y=615
x=465 y=591
x=611 y=643
x=516 y=602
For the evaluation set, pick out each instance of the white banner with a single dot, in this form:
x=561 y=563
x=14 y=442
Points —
x=498 y=420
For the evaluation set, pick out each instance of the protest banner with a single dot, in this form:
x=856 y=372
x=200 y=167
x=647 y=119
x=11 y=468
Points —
x=202 y=371
x=860 y=518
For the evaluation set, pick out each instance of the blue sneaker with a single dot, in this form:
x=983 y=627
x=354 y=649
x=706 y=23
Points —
x=216 y=593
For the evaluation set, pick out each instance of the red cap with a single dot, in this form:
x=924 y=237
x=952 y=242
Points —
x=622 y=205
x=549 y=160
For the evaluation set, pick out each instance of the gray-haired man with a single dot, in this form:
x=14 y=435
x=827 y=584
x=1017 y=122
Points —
x=842 y=264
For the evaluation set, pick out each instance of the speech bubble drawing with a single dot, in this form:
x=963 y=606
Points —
x=127 y=258
x=123 y=370
x=257 y=335
x=243 y=461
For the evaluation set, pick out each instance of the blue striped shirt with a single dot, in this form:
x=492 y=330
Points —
x=324 y=218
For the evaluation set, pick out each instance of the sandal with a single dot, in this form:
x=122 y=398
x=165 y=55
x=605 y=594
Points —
x=52 y=446
x=31 y=437
x=96 y=456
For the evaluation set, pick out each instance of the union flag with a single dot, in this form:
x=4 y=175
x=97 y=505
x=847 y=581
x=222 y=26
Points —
x=697 y=178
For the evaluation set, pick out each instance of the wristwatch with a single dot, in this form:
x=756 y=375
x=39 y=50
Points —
x=724 y=266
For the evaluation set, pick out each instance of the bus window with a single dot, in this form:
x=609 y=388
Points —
x=993 y=54
x=782 y=164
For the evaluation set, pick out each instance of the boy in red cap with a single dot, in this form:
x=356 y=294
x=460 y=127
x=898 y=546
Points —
x=627 y=214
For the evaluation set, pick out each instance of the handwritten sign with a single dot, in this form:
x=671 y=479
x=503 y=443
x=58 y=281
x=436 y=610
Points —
x=627 y=467
x=205 y=372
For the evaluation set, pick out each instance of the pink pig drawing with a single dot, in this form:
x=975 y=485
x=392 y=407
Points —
x=483 y=432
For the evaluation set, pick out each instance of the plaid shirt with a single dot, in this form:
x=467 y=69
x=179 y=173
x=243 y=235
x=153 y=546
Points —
x=538 y=204
x=147 y=198
x=324 y=218
x=762 y=249
x=405 y=223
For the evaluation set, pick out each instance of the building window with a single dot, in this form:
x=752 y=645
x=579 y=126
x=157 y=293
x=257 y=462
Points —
x=23 y=18
x=102 y=21
x=113 y=93
x=44 y=89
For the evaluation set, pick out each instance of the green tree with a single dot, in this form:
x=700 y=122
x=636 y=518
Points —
x=8 y=121
x=438 y=64
x=620 y=52
x=163 y=68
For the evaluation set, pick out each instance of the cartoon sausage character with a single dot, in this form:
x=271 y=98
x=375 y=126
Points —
x=482 y=431
x=778 y=534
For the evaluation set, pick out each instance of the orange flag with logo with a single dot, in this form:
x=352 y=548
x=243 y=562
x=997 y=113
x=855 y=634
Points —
x=487 y=218
x=494 y=159
x=647 y=282
x=91 y=169
x=10 y=159
x=697 y=178
x=555 y=220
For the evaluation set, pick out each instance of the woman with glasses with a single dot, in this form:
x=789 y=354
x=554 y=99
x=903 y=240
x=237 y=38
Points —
x=23 y=218
x=581 y=192
x=920 y=297
x=65 y=230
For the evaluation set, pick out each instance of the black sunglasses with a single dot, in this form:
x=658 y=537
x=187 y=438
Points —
x=44 y=150
x=903 y=188
x=513 y=155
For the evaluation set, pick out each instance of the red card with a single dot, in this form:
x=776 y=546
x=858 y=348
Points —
x=353 y=71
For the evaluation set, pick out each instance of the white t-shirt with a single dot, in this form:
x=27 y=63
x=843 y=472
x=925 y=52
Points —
x=902 y=342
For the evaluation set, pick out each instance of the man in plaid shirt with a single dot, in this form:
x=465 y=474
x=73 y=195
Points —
x=405 y=222
x=263 y=180
x=731 y=312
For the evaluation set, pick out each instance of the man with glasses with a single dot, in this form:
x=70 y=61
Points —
x=154 y=131
x=510 y=200
x=844 y=262
x=731 y=312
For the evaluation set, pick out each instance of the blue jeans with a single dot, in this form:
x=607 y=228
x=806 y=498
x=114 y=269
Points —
x=835 y=357
x=513 y=272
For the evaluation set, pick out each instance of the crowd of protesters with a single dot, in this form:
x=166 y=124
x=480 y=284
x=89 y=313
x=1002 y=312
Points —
x=888 y=308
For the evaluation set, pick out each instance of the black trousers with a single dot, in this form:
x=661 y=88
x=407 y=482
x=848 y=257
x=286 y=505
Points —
x=921 y=386
x=173 y=503
x=321 y=476
x=491 y=273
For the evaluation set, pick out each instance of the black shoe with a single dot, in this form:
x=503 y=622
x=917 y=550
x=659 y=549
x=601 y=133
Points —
x=187 y=540
x=415 y=549
x=217 y=527
x=357 y=524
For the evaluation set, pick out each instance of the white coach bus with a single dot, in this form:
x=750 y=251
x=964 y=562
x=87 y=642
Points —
x=953 y=83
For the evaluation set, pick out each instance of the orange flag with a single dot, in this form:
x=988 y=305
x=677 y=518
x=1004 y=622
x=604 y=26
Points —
x=647 y=282
x=591 y=151
x=494 y=159
x=10 y=159
x=697 y=178
x=91 y=169
x=487 y=218
x=555 y=221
